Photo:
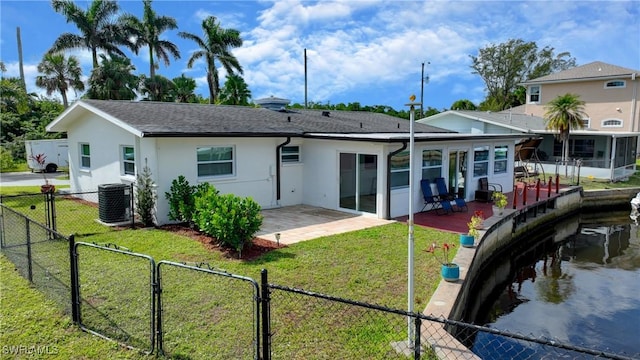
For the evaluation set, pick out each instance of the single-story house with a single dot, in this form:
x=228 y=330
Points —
x=343 y=160
x=604 y=154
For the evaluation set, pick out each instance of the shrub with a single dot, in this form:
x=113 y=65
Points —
x=232 y=220
x=182 y=197
x=145 y=197
x=6 y=159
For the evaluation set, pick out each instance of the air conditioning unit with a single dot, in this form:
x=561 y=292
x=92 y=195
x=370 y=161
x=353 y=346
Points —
x=114 y=203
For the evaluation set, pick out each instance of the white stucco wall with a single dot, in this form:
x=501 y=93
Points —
x=105 y=141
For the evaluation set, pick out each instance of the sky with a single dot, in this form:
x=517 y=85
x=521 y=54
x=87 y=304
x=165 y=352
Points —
x=370 y=52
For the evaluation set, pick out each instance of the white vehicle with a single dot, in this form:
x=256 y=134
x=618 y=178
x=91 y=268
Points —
x=54 y=151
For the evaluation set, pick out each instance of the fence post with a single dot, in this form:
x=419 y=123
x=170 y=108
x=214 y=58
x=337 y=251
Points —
x=29 y=265
x=1 y=225
x=416 y=345
x=266 y=321
x=557 y=183
x=515 y=196
x=73 y=262
x=54 y=219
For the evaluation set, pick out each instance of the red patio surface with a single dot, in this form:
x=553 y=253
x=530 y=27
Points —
x=457 y=222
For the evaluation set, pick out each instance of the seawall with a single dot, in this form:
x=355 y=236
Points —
x=509 y=233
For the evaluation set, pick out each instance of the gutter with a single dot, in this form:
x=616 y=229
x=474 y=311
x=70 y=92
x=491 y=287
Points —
x=389 y=156
x=278 y=159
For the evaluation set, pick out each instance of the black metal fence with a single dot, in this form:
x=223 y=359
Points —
x=196 y=311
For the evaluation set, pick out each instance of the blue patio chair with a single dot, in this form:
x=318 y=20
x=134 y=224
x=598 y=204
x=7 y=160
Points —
x=431 y=201
x=444 y=194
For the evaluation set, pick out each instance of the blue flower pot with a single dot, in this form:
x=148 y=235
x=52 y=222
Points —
x=450 y=272
x=467 y=240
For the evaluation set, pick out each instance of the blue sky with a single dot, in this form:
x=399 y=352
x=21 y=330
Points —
x=357 y=51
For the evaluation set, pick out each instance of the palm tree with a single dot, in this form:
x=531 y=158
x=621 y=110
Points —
x=99 y=29
x=564 y=113
x=147 y=32
x=235 y=91
x=60 y=74
x=157 y=88
x=216 y=45
x=113 y=80
x=183 y=89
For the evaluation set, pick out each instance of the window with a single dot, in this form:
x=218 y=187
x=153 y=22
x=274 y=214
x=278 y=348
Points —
x=615 y=84
x=290 y=154
x=481 y=161
x=534 y=94
x=431 y=164
x=586 y=123
x=578 y=148
x=85 y=156
x=400 y=170
x=500 y=153
x=128 y=161
x=215 y=161
x=612 y=123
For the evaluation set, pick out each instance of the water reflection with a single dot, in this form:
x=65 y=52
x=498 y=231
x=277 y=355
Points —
x=582 y=290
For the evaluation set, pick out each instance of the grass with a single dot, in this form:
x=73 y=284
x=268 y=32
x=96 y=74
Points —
x=367 y=265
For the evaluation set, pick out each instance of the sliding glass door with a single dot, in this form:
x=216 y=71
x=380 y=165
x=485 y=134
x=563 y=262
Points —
x=358 y=180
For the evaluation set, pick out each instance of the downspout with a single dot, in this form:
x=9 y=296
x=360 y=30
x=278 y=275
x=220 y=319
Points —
x=389 y=156
x=278 y=149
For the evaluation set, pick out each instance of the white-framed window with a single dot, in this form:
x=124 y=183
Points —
x=215 y=161
x=128 y=160
x=431 y=164
x=481 y=161
x=290 y=154
x=534 y=94
x=400 y=170
x=615 y=84
x=586 y=123
x=612 y=123
x=500 y=159
x=85 y=156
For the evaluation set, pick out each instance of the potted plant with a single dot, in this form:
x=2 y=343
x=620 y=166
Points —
x=448 y=270
x=499 y=202
x=476 y=223
x=40 y=159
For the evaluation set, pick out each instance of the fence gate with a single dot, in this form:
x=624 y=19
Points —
x=115 y=294
x=205 y=313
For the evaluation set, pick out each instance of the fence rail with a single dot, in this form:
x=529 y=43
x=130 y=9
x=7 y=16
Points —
x=182 y=310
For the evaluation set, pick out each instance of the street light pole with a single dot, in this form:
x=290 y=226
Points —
x=410 y=270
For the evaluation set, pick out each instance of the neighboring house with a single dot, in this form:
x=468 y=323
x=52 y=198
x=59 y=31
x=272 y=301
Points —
x=604 y=154
x=343 y=160
x=611 y=95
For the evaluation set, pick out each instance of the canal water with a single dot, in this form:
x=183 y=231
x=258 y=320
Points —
x=583 y=290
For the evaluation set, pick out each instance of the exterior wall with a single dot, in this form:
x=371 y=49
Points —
x=601 y=104
x=322 y=171
x=105 y=141
x=254 y=174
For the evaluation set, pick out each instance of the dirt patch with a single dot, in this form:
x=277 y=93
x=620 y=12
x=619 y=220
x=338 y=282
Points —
x=258 y=247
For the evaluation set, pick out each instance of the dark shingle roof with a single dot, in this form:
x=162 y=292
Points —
x=180 y=119
x=594 y=70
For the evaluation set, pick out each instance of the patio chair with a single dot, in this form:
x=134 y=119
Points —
x=444 y=194
x=430 y=201
x=485 y=190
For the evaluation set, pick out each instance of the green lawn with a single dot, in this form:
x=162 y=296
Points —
x=368 y=266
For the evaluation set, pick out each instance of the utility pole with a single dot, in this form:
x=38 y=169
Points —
x=305 y=78
x=422 y=79
x=22 y=82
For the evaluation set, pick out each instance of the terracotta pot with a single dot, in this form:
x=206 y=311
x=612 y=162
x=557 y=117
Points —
x=47 y=188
